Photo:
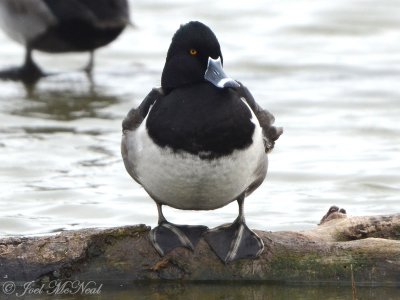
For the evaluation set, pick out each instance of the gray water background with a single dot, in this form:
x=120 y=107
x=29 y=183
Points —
x=328 y=70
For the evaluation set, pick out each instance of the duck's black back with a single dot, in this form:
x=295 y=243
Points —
x=104 y=10
x=202 y=120
x=83 y=25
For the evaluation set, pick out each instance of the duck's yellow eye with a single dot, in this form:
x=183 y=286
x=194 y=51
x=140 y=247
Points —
x=193 y=51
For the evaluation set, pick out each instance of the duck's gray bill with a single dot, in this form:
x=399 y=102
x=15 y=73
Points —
x=216 y=75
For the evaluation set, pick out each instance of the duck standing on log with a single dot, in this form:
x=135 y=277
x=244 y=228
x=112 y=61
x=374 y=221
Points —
x=198 y=143
x=58 y=26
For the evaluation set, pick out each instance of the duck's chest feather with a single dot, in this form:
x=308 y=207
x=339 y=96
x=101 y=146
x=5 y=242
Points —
x=201 y=119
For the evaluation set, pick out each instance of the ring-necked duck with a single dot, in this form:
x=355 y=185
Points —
x=198 y=143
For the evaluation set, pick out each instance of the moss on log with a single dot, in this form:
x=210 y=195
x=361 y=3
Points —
x=370 y=246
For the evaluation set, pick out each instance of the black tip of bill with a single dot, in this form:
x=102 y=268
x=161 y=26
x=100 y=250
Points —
x=216 y=75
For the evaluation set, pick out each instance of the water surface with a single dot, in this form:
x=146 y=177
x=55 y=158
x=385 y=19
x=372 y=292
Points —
x=327 y=70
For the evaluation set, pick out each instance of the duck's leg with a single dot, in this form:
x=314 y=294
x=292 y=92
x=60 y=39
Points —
x=235 y=241
x=89 y=67
x=167 y=236
x=28 y=73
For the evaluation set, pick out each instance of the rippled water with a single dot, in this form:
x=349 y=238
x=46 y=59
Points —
x=328 y=70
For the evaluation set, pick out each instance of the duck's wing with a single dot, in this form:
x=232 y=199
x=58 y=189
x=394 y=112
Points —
x=131 y=122
x=265 y=118
x=25 y=20
x=98 y=13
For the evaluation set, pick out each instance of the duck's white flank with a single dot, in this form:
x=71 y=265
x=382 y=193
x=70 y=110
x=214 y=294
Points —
x=24 y=20
x=185 y=181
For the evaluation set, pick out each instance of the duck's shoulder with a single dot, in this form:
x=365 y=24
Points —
x=136 y=115
x=265 y=118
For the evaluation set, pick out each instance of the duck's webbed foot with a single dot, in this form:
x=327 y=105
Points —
x=167 y=236
x=234 y=241
x=28 y=74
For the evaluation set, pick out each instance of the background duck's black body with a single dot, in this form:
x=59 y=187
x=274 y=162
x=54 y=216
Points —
x=82 y=25
x=202 y=120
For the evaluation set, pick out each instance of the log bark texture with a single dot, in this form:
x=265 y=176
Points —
x=370 y=246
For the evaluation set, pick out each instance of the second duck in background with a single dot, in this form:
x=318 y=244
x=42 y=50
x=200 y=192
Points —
x=56 y=26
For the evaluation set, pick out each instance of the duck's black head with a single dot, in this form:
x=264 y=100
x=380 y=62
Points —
x=188 y=55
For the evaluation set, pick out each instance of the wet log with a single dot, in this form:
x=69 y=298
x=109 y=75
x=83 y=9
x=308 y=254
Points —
x=367 y=248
